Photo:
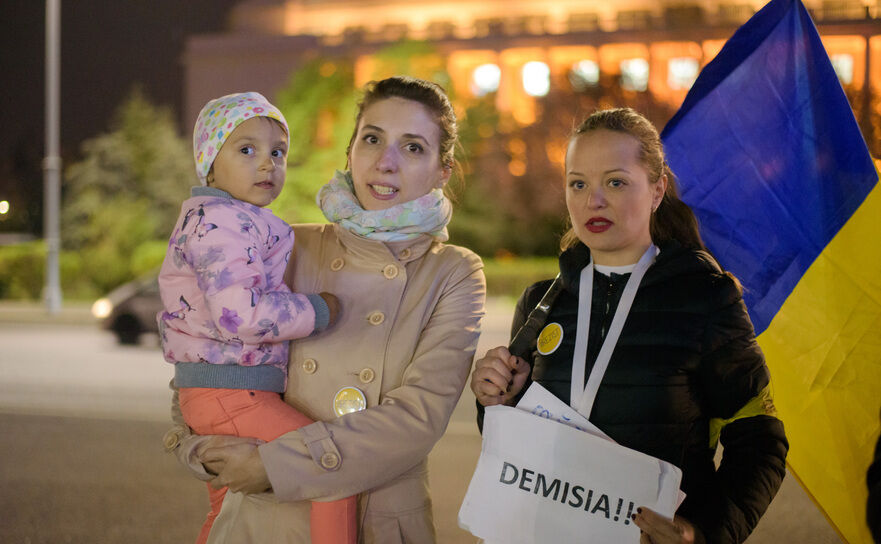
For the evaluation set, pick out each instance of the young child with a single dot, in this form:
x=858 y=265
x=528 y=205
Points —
x=228 y=313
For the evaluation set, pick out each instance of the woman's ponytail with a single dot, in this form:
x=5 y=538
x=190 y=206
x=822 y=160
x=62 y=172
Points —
x=673 y=219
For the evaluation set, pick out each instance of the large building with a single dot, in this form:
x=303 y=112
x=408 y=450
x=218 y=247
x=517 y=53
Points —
x=518 y=49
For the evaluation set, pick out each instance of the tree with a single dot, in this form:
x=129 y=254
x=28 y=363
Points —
x=126 y=191
x=317 y=103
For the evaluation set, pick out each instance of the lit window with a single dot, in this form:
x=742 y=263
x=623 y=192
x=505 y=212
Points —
x=681 y=72
x=635 y=74
x=843 y=65
x=517 y=167
x=485 y=79
x=584 y=74
x=536 y=78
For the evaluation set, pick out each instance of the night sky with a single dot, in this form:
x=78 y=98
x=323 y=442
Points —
x=107 y=48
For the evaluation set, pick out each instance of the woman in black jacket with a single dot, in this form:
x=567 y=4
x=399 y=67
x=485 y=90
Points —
x=873 y=505
x=682 y=371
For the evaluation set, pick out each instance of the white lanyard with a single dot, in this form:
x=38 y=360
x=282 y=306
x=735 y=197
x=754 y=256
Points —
x=582 y=398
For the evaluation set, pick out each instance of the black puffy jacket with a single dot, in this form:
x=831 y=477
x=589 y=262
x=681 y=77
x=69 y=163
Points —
x=687 y=354
x=873 y=505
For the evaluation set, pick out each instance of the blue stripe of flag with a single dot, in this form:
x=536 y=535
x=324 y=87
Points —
x=769 y=155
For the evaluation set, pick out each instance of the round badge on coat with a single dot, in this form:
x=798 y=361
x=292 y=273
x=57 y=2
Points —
x=348 y=400
x=550 y=338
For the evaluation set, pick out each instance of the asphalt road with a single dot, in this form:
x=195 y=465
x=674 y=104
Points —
x=81 y=459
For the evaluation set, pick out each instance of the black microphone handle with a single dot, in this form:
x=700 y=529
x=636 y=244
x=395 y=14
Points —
x=524 y=340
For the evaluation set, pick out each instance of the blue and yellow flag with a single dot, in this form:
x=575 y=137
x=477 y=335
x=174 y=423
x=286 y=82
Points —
x=771 y=160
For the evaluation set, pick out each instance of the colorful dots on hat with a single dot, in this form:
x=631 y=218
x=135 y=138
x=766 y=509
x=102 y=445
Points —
x=219 y=118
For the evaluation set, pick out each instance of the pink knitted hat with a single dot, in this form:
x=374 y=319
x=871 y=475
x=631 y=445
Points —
x=219 y=118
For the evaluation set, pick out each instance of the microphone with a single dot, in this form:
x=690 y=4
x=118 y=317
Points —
x=524 y=340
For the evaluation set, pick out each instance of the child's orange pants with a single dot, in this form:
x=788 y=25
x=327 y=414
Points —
x=263 y=415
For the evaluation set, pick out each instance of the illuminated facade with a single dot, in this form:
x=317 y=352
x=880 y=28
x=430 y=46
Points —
x=516 y=48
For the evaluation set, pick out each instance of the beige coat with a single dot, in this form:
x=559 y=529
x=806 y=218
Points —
x=406 y=338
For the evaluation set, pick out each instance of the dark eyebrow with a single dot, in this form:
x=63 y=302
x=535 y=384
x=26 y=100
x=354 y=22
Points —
x=406 y=135
x=372 y=127
x=418 y=137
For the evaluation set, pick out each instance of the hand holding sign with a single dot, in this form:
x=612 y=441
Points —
x=498 y=377
x=657 y=529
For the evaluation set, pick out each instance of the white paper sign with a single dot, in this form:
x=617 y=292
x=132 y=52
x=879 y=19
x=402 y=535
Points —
x=538 y=481
x=540 y=402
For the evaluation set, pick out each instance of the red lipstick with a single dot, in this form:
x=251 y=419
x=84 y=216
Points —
x=598 y=224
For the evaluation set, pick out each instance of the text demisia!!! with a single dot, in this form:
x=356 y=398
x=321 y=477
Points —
x=564 y=492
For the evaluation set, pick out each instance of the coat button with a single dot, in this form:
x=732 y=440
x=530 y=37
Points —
x=310 y=366
x=366 y=375
x=330 y=460
x=404 y=254
x=376 y=318
x=172 y=438
x=337 y=264
x=390 y=271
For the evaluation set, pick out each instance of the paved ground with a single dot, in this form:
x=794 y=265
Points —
x=81 y=462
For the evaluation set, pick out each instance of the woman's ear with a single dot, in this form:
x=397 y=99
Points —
x=660 y=189
x=446 y=172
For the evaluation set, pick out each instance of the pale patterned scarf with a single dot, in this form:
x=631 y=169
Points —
x=428 y=214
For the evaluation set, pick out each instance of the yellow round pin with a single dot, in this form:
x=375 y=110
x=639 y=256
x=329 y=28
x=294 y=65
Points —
x=550 y=338
x=348 y=400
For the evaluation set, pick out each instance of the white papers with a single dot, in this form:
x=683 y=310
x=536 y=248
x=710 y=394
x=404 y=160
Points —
x=540 y=402
x=538 y=481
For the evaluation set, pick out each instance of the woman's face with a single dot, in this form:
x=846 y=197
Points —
x=395 y=157
x=609 y=196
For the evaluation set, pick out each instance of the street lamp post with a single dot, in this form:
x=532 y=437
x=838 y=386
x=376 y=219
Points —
x=52 y=159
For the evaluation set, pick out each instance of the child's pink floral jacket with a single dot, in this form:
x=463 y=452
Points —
x=228 y=314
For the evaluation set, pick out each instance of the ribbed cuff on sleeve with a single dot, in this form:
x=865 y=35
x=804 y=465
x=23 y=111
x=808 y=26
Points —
x=322 y=312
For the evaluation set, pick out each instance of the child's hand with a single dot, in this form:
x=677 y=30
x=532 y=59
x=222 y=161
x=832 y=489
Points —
x=333 y=305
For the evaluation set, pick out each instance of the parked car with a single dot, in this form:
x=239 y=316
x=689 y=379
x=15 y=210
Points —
x=130 y=309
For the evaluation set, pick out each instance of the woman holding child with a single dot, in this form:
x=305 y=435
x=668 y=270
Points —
x=382 y=381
